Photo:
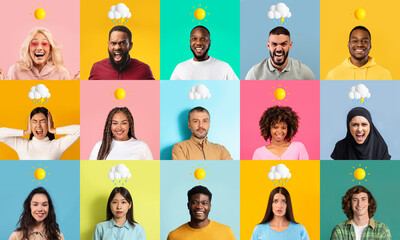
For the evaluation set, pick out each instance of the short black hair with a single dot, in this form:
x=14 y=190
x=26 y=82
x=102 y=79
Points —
x=198 y=109
x=121 y=28
x=360 y=28
x=199 y=189
x=200 y=26
x=279 y=30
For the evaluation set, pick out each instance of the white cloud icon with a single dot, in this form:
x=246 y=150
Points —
x=279 y=11
x=118 y=172
x=359 y=92
x=119 y=11
x=198 y=92
x=39 y=91
x=278 y=172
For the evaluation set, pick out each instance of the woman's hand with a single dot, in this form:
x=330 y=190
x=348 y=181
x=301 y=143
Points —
x=50 y=123
x=29 y=130
x=2 y=75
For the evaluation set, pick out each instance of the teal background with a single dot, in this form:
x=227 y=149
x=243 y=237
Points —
x=382 y=183
x=176 y=23
x=62 y=185
x=222 y=179
x=223 y=106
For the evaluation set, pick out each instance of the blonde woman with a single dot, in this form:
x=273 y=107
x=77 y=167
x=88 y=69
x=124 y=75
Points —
x=41 y=59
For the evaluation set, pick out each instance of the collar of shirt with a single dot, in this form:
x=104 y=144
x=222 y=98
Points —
x=41 y=232
x=286 y=69
x=371 y=222
x=199 y=141
x=112 y=224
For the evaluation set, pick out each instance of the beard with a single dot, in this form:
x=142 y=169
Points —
x=285 y=55
x=122 y=63
x=201 y=57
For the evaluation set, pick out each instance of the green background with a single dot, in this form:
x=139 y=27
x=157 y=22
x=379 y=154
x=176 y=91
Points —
x=382 y=183
x=223 y=22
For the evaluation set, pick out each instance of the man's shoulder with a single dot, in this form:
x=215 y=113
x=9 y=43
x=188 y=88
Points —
x=221 y=226
x=303 y=69
x=102 y=63
x=139 y=63
x=178 y=231
x=261 y=65
x=182 y=143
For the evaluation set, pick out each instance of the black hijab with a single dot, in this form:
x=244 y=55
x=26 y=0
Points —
x=373 y=148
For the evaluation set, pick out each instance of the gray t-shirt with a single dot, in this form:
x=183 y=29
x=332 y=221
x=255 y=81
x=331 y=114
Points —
x=294 y=70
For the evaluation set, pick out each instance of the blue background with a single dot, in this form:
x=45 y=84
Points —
x=255 y=26
x=222 y=181
x=62 y=185
x=335 y=104
x=382 y=183
x=223 y=106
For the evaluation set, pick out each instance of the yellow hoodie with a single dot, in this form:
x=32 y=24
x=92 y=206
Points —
x=348 y=71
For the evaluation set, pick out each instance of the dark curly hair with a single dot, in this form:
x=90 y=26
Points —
x=27 y=222
x=199 y=189
x=277 y=114
x=346 y=201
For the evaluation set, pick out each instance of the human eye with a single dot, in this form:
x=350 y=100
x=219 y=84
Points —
x=113 y=43
x=275 y=201
x=284 y=201
x=274 y=44
x=45 y=44
x=34 y=44
x=123 y=43
x=284 y=44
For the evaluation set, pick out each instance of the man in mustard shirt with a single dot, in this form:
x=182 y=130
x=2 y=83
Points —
x=359 y=66
x=198 y=147
x=200 y=227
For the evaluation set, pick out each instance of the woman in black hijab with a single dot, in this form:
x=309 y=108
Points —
x=362 y=141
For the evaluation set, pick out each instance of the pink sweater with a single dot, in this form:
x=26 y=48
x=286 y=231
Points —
x=295 y=151
x=49 y=72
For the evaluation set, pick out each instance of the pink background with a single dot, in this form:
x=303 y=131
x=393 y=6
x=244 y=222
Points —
x=142 y=99
x=257 y=96
x=62 y=19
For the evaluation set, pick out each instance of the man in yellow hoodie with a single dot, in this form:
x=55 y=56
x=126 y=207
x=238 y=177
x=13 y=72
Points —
x=359 y=66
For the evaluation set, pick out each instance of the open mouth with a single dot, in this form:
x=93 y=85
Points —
x=117 y=56
x=198 y=49
x=39 y=55
x=119 y=132
x=360 y=136
x=278 y=56
x=39 y=133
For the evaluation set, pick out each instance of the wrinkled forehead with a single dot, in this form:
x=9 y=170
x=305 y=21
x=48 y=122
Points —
x=118 y=36
x=199 y=115
x=38 y=117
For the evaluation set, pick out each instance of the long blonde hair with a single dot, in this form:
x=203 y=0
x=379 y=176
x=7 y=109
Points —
x=55 y=56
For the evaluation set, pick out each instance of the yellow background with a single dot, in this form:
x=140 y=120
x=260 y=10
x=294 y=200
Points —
x=303 y=186
x=337 y=20
x=16 y=107
x=144 y=186
x=144 y=25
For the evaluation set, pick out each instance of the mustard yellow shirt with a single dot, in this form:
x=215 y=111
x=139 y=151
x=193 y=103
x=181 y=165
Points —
x=197 y=149
x=348 y=71
x=213 y=231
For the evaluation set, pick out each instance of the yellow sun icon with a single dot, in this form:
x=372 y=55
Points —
x=199 y=173
x=39 y=13
x=119 y=94
x=279 y=93
x=39 y=173
x=359 y=174
x=199 y=13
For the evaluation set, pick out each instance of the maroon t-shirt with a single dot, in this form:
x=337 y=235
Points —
x=134 y=70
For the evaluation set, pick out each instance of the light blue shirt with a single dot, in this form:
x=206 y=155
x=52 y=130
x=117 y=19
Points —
x=293 y=232
x=109 y=230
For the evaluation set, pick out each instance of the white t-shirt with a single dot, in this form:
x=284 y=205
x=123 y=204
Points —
x=359 y=230
x=131 y=149
x=210 y=69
